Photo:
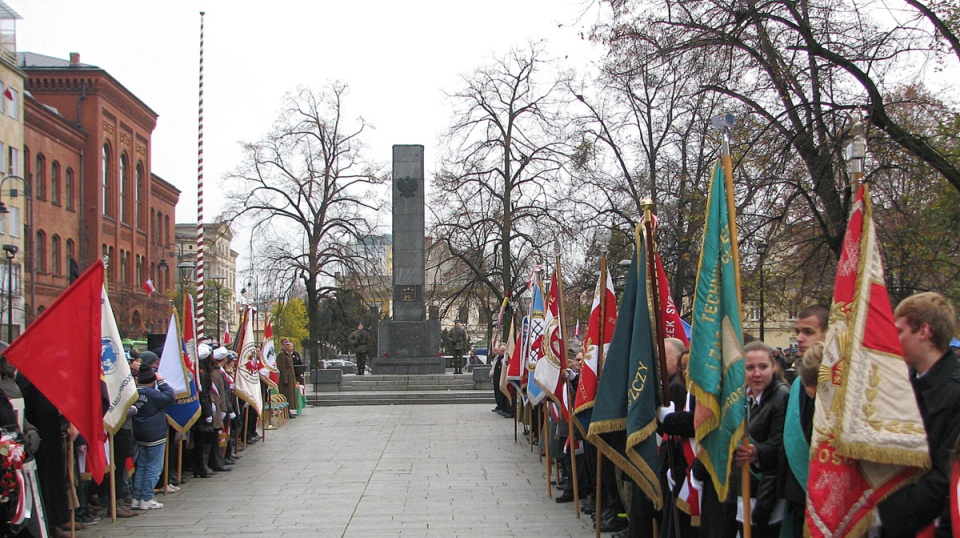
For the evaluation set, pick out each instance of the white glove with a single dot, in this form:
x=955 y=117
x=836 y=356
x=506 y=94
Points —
x=670 y=481
x=209 y=420
x=214 y=406
x=666 y=410
x=223 y=415
x=232 y=416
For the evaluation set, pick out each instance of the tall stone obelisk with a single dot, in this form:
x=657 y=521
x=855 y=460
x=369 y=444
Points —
x=409 y=343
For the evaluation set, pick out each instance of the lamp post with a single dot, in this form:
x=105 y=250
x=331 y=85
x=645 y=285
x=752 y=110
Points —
x=28 y=231
x=762 y=250
x=10 y=251
x=218 y=283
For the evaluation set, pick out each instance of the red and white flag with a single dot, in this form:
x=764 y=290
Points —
x=149 y=287
x=603 y=318
x=226 y=334
x=859 y=460
x=268 y=370
x=553 y=359
x=247 y=386
x=69 y=375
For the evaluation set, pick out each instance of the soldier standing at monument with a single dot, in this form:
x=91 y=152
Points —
x=359 y=340
x=458 y=343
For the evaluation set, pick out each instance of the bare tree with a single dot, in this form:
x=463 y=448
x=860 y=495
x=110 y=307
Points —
x=309 y=192
x=496 y=200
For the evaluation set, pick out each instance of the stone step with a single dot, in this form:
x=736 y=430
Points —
x=329 y=399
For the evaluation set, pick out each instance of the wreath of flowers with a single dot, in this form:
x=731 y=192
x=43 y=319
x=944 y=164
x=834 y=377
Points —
x=11 y=461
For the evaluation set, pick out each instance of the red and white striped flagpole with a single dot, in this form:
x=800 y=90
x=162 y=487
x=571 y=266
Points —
x=200 y=318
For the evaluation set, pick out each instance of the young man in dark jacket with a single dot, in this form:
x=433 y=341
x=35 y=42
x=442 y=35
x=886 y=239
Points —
x=150 y=433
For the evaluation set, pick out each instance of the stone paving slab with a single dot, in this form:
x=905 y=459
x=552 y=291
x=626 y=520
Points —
x=417 y=471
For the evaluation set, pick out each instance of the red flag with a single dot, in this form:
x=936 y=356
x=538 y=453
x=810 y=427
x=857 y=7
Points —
x=67 y=369
x=149 y=287
x=8 y=94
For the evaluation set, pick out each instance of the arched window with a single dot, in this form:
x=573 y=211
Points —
x=105 y=177
x=70 y=249
x=55 y=183
x=56 y=257
x=141 y=198
x=113 y=264
x=41 y=251
x=124 y=266
x=124 y=189
x=139 y=269
x=40 y=175
x=166 y=230
x=68 y=188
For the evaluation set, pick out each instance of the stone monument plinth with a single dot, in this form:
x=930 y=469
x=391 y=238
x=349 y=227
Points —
x=409 y=343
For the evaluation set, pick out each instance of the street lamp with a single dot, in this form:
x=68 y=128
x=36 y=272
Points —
x=186 y=273
x=762 y=250
x=10 y=251
x=28 y=231
x=218 y=283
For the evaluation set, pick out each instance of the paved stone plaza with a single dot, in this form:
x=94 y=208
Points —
x=410 y=470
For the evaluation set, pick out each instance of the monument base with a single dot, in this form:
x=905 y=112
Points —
x=408 y=348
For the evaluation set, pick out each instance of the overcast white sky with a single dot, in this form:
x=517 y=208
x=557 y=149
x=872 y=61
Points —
x=398 y=57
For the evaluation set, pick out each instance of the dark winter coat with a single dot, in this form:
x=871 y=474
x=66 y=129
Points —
x=150 y=422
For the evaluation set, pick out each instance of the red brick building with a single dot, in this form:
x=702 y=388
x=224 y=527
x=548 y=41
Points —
x=87 y=154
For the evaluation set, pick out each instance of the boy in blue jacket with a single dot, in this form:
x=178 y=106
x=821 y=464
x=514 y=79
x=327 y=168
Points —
x=150 y=433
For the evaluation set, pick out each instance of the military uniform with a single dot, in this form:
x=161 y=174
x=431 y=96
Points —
x=359 y=341
x=458 y=343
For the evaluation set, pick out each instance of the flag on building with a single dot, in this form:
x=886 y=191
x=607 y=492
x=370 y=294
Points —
x=69 y=375
x=552 y=360
x=603 y=319
x=864 y=386
x=149 y=287
x=173 y=367
x=247 y=383
x=716 y=368
x=624 y=420
x=268 y=370
x=121 y=387
x=535 y=341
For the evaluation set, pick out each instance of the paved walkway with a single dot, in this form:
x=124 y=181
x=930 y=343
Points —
x=414 y=470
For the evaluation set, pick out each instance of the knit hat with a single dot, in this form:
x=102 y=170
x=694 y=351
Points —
x=148 y=360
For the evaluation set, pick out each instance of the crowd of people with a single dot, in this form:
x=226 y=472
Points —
x=781 y=390
x=146 y=448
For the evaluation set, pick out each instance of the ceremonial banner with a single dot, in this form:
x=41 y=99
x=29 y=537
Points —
x=69 y=375
x=121 y=387
x=173 y=367
x=868 y=435
x=518 y=365
x=603 y=319
x=537 y=326
x=624 y=417
x=716 y=368
x=553 y=357
x=190 y=338
x=512 y=344
x=268 y=369
x=247 y=385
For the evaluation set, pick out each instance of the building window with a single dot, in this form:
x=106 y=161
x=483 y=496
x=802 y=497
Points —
x=113 y=264
x=41 y=251
x=141 y=199
x=68 y=187
x=55 y=183
x=124 y=265
x=124 y=190
x=13 y=161
x=41 y=177
x=14 y=101
x=70 y=249
x=56 y=260
x=105 y=176
x=3 y=224
x=3 y=104
x=13 y=224
x=140 y=269
x=16 y=279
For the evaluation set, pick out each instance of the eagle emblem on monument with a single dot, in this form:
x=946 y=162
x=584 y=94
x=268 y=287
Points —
x=407 y=186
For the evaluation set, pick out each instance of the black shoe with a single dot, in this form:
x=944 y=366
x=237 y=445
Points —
x=229 y=461
x=588 y=508
x=625 y=533
x=223 y=469
x=509 y=414
x=567 y=497
x=614 y=524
